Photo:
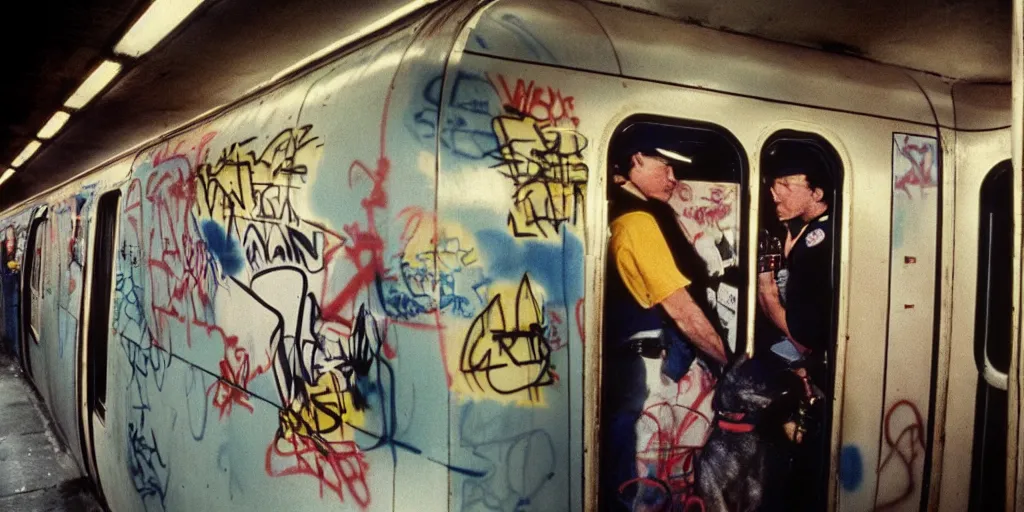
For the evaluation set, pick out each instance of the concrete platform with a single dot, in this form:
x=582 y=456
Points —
x=36 y=471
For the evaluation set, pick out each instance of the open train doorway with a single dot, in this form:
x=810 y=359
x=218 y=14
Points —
x=681 y=386
x=796 y=325
x=992 y=339
x=94 y=344
x=674 y=307
x=32 y=289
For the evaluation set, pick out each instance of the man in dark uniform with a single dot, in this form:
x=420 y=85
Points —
x=9 y=289
x=658 y=318
x=8 y=250
x=801 y=186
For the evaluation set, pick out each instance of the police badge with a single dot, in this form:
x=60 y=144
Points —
x=815 y=237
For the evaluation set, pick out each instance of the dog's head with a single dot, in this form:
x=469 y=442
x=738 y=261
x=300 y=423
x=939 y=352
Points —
x=751 y=385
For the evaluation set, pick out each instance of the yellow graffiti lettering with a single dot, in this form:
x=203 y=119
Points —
x=325 y=416
x=545 y=163
x=506 y=355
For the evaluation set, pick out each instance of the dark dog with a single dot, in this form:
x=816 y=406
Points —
x=745 y=464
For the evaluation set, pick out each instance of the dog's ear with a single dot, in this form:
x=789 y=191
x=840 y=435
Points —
x=730 y=364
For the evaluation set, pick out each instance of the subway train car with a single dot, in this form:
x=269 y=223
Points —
x=390 y=280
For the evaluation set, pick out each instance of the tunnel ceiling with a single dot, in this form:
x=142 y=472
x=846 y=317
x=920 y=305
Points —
x=49 y=46
x=232 y=45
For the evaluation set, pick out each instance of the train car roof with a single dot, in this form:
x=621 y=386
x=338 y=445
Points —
x=959 y=39
x=616 y=41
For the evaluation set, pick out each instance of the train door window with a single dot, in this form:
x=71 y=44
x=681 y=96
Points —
x=795 y=327
x=673 y=308
x=100 y=300
x=992 y=327
x=38 y=249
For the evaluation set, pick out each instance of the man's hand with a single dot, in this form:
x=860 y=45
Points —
x=692 y=322
x=793 y=432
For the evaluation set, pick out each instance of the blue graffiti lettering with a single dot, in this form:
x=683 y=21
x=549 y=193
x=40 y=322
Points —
x=465 y=129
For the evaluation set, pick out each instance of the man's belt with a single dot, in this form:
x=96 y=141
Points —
x=649 y=344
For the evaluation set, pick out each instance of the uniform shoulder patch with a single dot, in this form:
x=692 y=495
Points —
x=815 y=237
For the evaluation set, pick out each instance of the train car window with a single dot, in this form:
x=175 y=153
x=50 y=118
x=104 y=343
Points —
x=995 y=271
x=36 y=277
x=100 y=299
x=673 y=304
x=795 y=328
x=992 y=327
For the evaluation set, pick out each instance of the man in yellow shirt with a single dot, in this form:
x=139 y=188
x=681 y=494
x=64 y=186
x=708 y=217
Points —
x=657 y=308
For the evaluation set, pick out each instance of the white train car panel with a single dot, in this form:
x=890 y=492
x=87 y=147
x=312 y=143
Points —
x=380 y=284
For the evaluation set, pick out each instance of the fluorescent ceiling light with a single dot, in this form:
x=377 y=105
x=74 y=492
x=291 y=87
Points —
x=93 y=84
x=6 y=176
x=54 y=125
x=160 y=18
x=30 y=149
x=675 y=156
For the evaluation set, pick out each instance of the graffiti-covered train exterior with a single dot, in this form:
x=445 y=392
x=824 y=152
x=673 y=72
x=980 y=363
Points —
x=379 y=284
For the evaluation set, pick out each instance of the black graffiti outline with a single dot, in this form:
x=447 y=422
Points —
x=472 y=363
x=552 y=166
x=192 y=390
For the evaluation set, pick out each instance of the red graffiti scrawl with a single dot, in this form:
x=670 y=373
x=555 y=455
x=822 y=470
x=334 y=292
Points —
x=904 y=448
x=340 y=466
x=922 y=160
x=543 y=103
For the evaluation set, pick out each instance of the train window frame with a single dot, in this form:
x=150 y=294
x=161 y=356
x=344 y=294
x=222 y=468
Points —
x=39 y=251
x=101 y=299
x=836 y=167
x=837 y=173
x=988 y=448
x=742 y=205
x=983 y=319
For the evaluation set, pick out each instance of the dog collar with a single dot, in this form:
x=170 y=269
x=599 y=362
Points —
x=733 y=422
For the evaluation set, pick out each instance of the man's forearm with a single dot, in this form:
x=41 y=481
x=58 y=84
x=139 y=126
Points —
x=692 y=322
x=704 y=337
x=771 y=304
x=772 y=307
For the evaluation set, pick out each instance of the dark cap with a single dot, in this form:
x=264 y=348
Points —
x=792 y=157
x=647 y=141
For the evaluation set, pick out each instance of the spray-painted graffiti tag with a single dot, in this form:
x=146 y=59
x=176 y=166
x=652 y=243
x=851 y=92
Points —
x=509 y=354
x=547 y=105
x=922 y=166
x=904 y=448
x=253 y=195
x=545 y=163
